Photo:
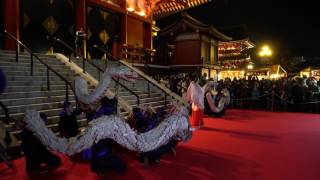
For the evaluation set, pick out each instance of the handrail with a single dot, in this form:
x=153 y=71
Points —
x=73 y=51
x=99 y=70
x=67 y=46
x=64 y=43
x=165 y=90
x=105 y=52
x=42 y=62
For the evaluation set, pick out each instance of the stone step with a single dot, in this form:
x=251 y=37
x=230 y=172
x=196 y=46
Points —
x=36 y=106
x=146 y=100
x=33 y=94
x=22 y=58
x=34 y=100
x=141 y=96
x=52 y=77
x=27 y=69
x=152 y=104
x=27 y=60
x=23 y=54
x=25 y=64
x=20 y=115
x=53 y=115
x=35 y=73
x=33 y=88
x=26 y=92
x=33 y=83
x=124 y=92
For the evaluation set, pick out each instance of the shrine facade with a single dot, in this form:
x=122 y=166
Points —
x=189 y=45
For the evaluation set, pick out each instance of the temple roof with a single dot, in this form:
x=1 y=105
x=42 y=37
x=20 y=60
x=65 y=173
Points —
x=241 y=44
x=186 y=21
x=168 y=7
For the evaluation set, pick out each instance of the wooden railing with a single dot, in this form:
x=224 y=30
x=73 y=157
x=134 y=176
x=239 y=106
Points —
x=137 y=54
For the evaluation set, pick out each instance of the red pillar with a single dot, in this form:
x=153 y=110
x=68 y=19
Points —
x=11 y=22
x=81 y=21
x=147 y=35
x=123 y=40
x=81 y=14
x=116 y=49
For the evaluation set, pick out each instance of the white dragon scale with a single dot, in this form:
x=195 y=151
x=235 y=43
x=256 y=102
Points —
x=81 y=86
x=224 y=101
x=175 y=125
x=113 y=127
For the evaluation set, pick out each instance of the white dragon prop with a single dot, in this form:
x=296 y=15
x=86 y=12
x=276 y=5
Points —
x=175 y=125
x=223 y=102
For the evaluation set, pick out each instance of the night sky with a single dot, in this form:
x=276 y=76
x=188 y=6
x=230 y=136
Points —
x=291 y=28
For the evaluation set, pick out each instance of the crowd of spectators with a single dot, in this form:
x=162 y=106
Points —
x=285 y=94
x=177 y=83
x=293 y=94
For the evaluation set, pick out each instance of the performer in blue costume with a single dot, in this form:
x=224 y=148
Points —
x=68 y=125
x=37 y=154
x=102 y=159
x=144 y=123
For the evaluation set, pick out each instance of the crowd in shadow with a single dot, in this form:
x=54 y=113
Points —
x=296 y=94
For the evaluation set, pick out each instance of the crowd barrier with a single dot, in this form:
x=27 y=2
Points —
x=271 y=100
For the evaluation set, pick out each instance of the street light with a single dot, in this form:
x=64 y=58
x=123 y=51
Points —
x=265 y=52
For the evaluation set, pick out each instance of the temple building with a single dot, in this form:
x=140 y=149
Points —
x=235 y=56
x=189 y=45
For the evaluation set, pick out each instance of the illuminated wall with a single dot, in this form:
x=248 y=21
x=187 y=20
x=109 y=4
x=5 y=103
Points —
x=135 y=32
x=205 y=50
x=209 y=50
x=213 y=51
x=137 y=6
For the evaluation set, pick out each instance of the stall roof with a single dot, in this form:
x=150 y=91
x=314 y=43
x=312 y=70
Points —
x=310 y=68
x=273 y=68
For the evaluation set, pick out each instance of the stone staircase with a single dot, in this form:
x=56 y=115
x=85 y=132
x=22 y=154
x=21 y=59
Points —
x=25 y=92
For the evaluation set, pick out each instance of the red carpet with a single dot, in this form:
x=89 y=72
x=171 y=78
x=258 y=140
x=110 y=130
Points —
x=244 y=145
